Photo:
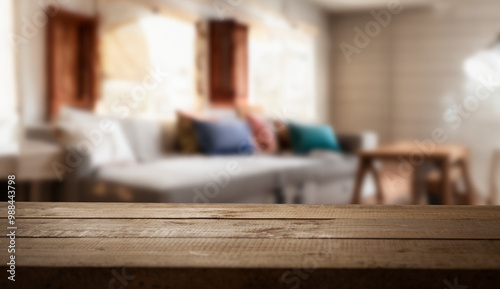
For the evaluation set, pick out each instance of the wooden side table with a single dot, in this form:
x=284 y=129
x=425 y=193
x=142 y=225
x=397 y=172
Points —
x=445 y=156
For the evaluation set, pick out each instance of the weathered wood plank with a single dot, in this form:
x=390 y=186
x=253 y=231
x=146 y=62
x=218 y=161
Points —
x=247 y=211
x=399 y=246
x=257 y=253
x=265 y=229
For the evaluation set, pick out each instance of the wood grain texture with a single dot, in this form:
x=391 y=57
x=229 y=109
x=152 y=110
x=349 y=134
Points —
x=48 y=210
x=86 y=245
x=257 y=253
x=261 y=229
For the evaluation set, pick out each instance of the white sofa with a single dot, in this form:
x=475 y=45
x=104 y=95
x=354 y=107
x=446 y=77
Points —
x=161 y=174
x=220 y=179
x=322 y=177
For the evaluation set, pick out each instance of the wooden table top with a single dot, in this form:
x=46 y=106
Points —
x=406 y=149
x=255 y=236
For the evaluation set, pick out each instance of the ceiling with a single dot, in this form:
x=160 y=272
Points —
x=360 y=5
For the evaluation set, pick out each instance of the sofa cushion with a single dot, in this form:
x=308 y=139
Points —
x=145 y=138
x=187 y=138
x=207 y=178
x=282 y=135
x=263 y=134
x=188 y=144
x=224 y=137
x=306 y=138
x=102 y=139
x=170 y=137
x=225 y=178
x=332 y=165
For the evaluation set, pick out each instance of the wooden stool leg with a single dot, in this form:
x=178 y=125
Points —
x=362 y=168
x=415 y=186
x=446 y=182
x=376 y=177
x=470 y=194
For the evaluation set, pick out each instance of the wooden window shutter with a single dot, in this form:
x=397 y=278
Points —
x=228 y=63
x=72 y=61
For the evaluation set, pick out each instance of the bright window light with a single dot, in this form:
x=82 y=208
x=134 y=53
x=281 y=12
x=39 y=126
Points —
x=132 y=52
x=282 y=75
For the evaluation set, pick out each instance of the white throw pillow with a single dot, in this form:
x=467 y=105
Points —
x=102 y=139
x=145 y=138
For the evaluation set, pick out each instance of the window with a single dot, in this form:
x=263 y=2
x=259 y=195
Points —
x=282 y=74
x=149 y=67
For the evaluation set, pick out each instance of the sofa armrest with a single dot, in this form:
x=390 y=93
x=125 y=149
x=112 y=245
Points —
x=72 y=163
x=351 y=143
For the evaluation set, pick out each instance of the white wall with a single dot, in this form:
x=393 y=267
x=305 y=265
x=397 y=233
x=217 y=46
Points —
x=32 y=67
x=9 y=118
x=31 y=53
x=411 y=74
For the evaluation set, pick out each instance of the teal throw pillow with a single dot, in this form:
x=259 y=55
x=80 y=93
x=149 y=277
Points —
x=306 y=138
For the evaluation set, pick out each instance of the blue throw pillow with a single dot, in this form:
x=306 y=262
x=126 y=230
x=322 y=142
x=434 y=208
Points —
x=306 y=138
x=224 y=137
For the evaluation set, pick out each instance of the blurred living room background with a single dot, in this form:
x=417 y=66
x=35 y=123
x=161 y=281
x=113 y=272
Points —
x=256 y=101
